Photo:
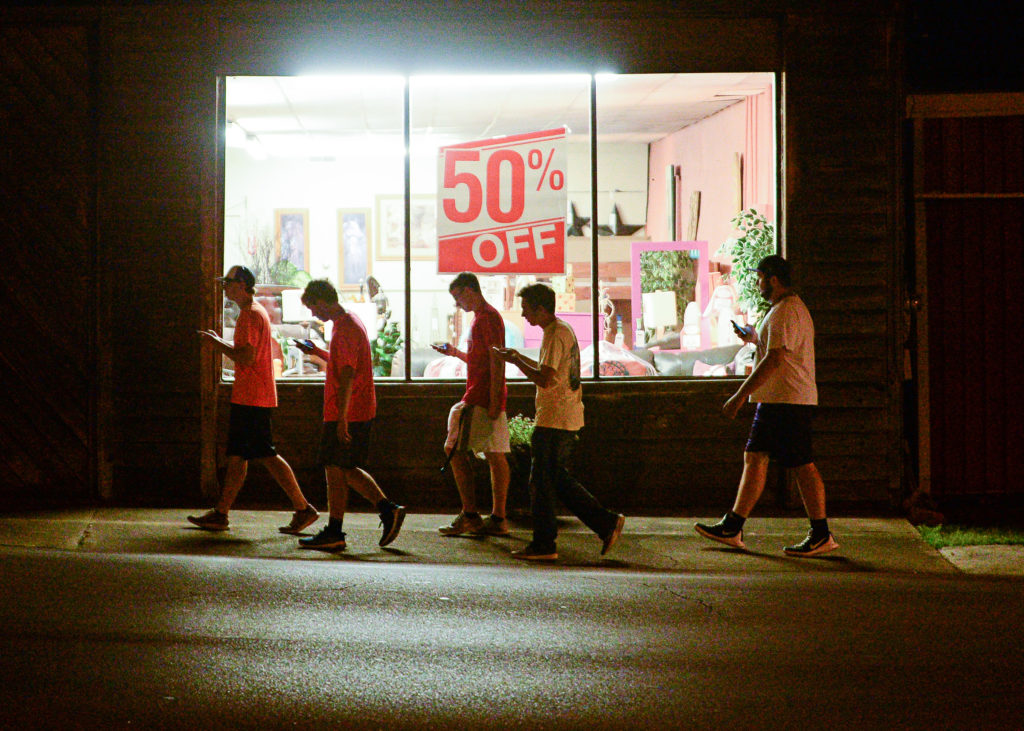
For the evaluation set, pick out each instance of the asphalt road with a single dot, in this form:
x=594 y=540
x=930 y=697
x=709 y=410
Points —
x=159 y=641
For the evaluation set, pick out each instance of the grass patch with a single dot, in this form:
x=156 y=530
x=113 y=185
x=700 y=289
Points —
x=942 y=536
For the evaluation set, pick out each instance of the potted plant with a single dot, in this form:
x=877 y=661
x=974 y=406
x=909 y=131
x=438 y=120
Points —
x=520 y=430
x=384 y=347
x=756 y=240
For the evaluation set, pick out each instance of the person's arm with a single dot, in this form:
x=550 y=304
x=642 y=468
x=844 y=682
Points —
x=541 y=375
x=449 y=349
x=497 y=383
x=346 y=375
x=318 y=352
x=762 y=373
x=243 y=353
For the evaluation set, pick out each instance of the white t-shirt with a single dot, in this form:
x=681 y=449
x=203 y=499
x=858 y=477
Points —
x=560 y=405
x=788 y=325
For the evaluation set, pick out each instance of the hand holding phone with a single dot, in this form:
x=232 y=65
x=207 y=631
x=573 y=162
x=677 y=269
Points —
x=304 y=345
x=740 y=331
x=441 y=348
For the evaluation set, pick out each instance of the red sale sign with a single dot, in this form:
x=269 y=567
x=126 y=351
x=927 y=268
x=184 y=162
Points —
x=501 y=205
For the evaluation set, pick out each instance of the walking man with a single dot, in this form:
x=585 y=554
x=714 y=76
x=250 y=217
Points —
x=478 y=423
x=253 y=395
x=559 y=417
x=783 y=386
x=350 y=405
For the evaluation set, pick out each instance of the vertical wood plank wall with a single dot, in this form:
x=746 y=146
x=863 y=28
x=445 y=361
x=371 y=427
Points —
x=648 y=447
x=47 y=269
x=974 y=212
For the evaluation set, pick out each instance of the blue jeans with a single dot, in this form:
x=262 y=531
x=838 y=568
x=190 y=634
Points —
x=550 y=479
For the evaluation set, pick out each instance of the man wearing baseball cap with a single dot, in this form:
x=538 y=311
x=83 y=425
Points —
x=253 y=395
x=783 y=386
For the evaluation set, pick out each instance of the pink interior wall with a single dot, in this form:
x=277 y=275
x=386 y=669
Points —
x=706 y=154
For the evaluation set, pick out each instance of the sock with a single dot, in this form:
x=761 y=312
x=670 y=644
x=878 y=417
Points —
x=819 y=528
x=733 y=522
x=334 y=524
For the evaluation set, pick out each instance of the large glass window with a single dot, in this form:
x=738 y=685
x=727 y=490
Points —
x=500 y=182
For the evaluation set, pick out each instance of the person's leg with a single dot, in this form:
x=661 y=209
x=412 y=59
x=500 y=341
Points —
x=755 y=473
x=545 y=526
x=282 y=473
x=234 y=476
x=572 y=494
x=362 y=482
x=812 y=490
x=337 y=492
x=462 y=471
x=498 y=464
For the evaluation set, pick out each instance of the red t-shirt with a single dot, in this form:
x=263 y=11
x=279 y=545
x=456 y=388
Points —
x=487 y=331
x=350 y=347
x=254 y=383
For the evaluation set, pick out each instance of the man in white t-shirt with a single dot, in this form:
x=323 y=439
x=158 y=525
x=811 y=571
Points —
x=783 y=386
x=559 y=417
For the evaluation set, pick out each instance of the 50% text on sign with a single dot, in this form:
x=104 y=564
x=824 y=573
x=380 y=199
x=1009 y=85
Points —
x=501 y=206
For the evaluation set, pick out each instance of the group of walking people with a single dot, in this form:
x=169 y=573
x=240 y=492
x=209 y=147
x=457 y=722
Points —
x=782 y=384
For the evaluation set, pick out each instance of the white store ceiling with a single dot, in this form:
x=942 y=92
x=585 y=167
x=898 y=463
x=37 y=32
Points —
x=303 y=115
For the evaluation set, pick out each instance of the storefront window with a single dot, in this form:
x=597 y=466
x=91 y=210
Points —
x=500 y=172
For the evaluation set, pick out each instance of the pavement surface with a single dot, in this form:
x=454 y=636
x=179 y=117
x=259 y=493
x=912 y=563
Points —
x=887 y=545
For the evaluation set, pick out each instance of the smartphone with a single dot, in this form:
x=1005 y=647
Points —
x=439 y=346
x=741 y=331
x=304 y=343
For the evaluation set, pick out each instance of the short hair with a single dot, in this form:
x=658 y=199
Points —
x=539 y=295
x=320 y=290
x=467 y=280
x=775 y=266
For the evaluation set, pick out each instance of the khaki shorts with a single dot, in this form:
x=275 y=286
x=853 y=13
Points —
x=469 y=430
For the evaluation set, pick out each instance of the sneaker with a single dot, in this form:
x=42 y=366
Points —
x=328 y=539
x=609 y=540
x=492 y=526
x=210 y=520
x=532 y=553
x=810 y=546
x=718 y=532
x=301 y=519
x=391 y=522
x=463 y=523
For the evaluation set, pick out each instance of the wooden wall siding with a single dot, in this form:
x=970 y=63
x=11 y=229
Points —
x=647 y=447
x=47 y=280
x=840 y=124
x=158 y=123
x=975 y=277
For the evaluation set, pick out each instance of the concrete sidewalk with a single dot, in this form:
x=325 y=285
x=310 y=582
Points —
x=888 y=545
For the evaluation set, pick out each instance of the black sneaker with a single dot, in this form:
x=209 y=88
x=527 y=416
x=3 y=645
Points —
x=210 y=520
x=811 y=546
x=534 y=553
x=609 y=540
x=328 y=539
x=301 y=519
x=391 y=522
x=718 y=532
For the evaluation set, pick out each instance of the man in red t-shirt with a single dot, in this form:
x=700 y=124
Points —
x=350 y=406
x=253 y=395
x=477 y=423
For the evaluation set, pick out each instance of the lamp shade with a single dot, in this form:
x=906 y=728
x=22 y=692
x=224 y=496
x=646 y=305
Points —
x=659 y=309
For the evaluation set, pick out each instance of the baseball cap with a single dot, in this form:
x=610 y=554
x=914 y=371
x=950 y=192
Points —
x=774 y=266
x=239 y=273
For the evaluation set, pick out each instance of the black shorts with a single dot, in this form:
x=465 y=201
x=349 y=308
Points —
x=784 y=432
x=333 y=453
x=250 y=432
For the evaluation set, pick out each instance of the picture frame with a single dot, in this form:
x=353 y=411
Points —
x=291 y=236
x=391 y=228
x=354 y=236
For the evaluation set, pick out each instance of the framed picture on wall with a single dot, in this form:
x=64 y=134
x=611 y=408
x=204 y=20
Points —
x=391 y=227
x=291 y=236
x=354 y=239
